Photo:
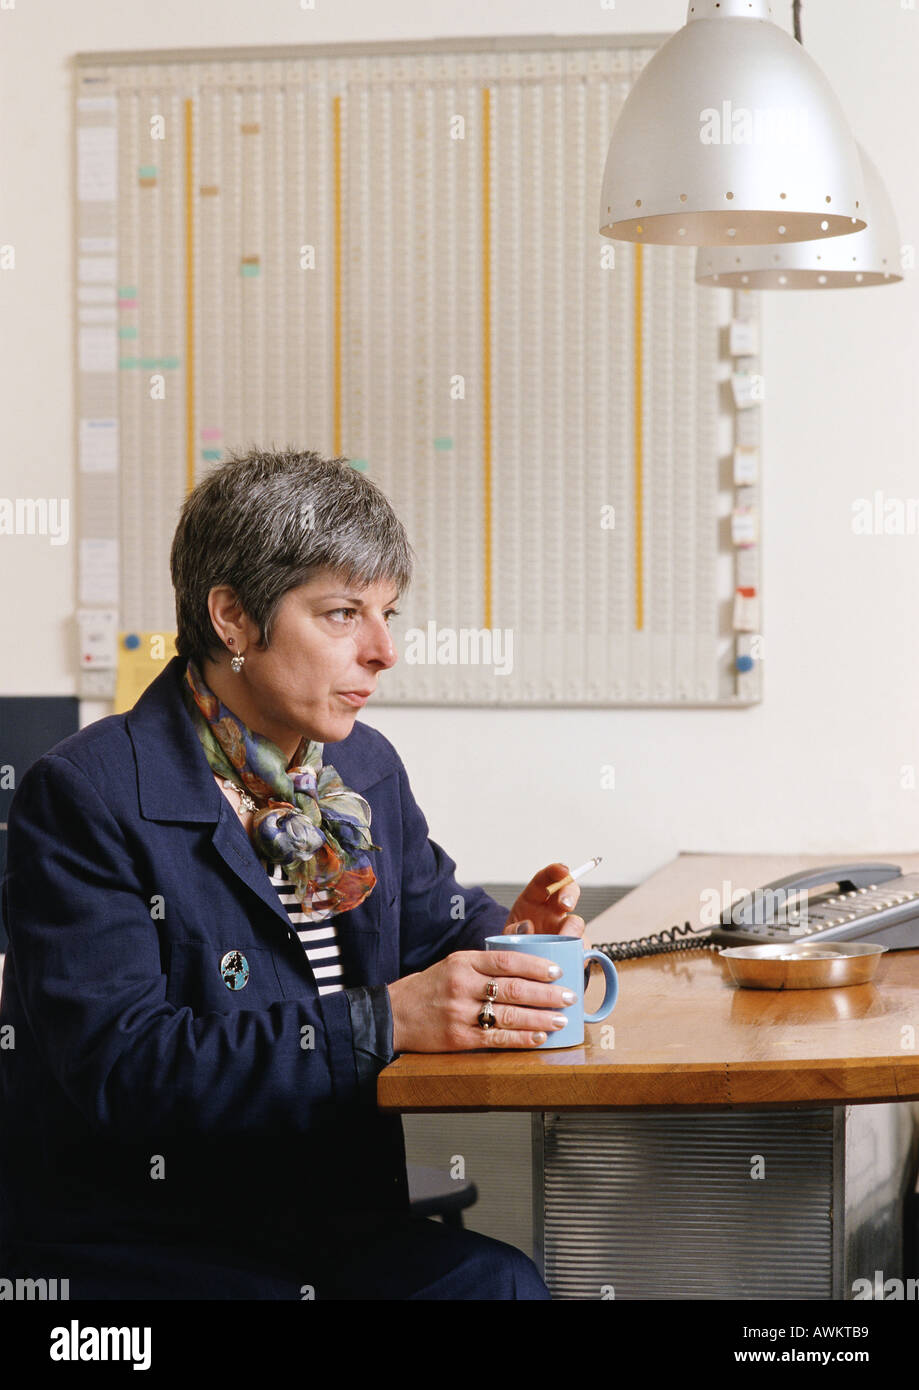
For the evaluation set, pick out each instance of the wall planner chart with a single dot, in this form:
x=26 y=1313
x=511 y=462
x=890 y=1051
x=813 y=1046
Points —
x=390 y=252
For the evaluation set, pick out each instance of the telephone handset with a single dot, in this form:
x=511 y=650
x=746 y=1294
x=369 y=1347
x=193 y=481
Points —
x=865 y=902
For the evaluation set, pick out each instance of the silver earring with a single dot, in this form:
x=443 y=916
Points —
x=237 y=662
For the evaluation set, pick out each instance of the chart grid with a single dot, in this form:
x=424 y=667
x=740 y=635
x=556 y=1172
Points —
x=391 y=253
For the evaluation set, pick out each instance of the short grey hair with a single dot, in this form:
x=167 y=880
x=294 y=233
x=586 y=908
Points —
x=264 y=523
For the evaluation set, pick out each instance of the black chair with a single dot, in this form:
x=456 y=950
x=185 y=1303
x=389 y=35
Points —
x=432 y=1192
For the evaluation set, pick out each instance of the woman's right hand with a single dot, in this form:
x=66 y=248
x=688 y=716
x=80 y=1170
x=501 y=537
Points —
x=436 y=1010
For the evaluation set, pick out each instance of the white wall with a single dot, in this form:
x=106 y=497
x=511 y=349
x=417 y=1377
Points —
x=816 y=767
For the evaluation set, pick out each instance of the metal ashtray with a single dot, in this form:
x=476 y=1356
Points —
x=799 y=965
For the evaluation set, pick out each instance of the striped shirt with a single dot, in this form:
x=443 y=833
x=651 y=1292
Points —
x=319 y=939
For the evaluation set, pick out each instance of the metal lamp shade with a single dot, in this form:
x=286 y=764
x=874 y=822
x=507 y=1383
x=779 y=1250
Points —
x=869 y=257
x=731 y=136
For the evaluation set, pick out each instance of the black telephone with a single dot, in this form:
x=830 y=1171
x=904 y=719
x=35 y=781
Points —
x=857 y=902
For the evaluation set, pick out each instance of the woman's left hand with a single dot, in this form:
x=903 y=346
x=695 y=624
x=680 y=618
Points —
x=542 y=915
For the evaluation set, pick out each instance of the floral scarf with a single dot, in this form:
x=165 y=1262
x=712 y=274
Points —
x=307 y=819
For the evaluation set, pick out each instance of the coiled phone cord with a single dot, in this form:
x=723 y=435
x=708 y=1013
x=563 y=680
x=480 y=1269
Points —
x=685 y=938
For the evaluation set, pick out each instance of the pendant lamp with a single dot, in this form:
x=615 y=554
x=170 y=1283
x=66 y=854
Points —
x=870 y=257
x=731 y=136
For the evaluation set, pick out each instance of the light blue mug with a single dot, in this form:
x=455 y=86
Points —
x=568 y=953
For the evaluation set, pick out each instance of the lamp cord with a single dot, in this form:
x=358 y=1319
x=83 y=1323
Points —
x=796 y=15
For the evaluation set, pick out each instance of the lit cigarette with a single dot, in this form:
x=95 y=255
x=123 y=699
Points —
x=577 y=873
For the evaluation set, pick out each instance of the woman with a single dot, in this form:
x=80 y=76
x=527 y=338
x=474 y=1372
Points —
x=225 y=917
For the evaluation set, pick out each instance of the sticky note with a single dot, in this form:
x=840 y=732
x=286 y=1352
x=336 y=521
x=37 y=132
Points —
x=142 y=656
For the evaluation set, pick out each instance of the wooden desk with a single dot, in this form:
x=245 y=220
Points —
x=668 y=1104
x=684 y=1035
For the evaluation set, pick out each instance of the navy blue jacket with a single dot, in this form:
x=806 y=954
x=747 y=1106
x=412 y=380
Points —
x=143 y=1099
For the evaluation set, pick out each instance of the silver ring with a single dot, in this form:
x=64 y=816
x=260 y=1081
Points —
x=491 y=990
x=487 y=1015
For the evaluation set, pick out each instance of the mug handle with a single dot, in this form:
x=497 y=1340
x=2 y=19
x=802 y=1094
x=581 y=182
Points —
x=612 y=985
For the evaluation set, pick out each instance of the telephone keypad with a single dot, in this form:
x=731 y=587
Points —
x=889 y=910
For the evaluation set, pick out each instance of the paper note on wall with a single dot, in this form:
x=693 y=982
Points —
x=98 y=628
x=746 y=567
x=747 y=429
x=743 y=526
x=142 y=656
x=98 y=446
x=748 y=389
x=744 y=338
x=746 y=610
x=97 y=313
x=745 y=466
x=97 y=245
x=98 y=571
x=97 y=163
x=97 y=294
x=98 y=349
x=97 y=270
